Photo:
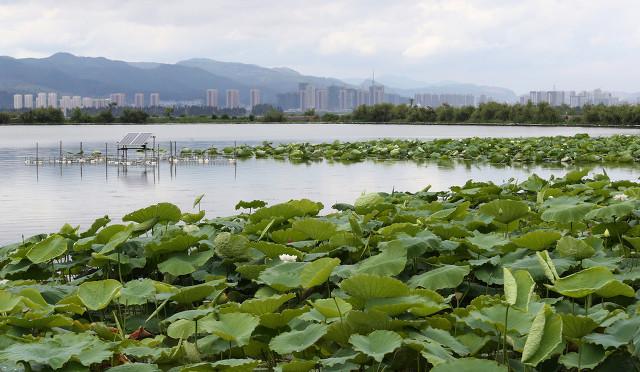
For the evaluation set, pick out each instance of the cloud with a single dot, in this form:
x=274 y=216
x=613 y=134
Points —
x=525 y=44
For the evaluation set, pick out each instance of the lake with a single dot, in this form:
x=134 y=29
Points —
x=41 y=199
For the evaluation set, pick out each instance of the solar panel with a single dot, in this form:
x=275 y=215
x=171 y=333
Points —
x=128 y=139
x=141 y=139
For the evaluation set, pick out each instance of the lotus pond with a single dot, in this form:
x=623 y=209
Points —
x=539 y=275
x=580 y=148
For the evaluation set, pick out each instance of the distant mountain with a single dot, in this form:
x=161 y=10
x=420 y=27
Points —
x=277 y=80
x=187 y=80
x=68 y=74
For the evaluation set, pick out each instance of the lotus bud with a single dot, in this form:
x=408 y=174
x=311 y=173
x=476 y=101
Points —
x=606 y=233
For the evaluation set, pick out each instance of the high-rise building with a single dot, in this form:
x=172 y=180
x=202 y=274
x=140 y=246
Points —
x=212 y=98
x=347 y=99
x=66 y=103
x=52 y=100
x=87 y=102
x=154 y=99
x=322 y=99
x=17 y=102
x=76 y=102
x=334 y=97
x=555 y=98
x=255 y=98
x=138 y=100
x=41 y=100
x=118 y=98
x=362 y=97
x=28 y=101
x=376 y=94
x=307 y=94
x=233 y=98
x=100 y=103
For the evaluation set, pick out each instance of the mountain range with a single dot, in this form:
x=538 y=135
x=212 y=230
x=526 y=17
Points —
x=186 y=80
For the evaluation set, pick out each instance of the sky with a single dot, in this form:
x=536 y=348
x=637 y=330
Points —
x=523 y=45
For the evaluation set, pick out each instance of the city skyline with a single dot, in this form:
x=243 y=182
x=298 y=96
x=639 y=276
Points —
x=586 y=47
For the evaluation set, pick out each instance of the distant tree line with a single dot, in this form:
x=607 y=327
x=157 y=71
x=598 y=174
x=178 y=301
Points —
x=494 y=112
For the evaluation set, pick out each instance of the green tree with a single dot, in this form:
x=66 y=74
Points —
x=134 y=116
x=5 y=118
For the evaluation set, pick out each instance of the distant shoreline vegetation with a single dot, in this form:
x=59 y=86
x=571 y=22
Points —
x=486 y=113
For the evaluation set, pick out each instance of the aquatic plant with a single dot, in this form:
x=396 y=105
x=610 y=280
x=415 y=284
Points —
x=538 y=275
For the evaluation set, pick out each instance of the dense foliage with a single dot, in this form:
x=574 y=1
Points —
x=42 y=116
x=494 y=112
x=577 y=149
x=539 y=275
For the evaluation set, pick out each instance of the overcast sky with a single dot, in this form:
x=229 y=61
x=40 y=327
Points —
x=523 y=45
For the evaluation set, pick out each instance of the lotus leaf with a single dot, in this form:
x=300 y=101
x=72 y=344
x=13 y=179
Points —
x=376 y=344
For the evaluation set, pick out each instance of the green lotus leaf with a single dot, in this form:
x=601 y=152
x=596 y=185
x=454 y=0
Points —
x=296 y=365
x=163 y=212
x=376 y=344
x=567 y=213
x=60 y=349
x=469 y=365
x=8 y=301
x=137 y=292
x=367 y=286
x=236 y=365
x=488 y=242
x=293 y=341
x=95 y=226
x=598 y=280
x=616 y=335
x=315 y=229
x=253 y=204
x=194 y=293
x=236 y=327
x=183 y=263
x=46 y=250
x=283 y=276
x=537 y=240
x=231 y=247
x=589 y=357
x=181 y=329
x=260 y=306
x=117 y=240
x=197 y=200
x=280 y=320
x=544 y=337
x=179 y=243
x=36 y=320
x=569 y=246
x=290 y=209
x=368 y=202
x=332 y=307
x=574 y=327
x=548 y=267
x=416 y=304
x=391 y=261
x=98 y=295
x=273 y=250
x=317 y=272
x=504 y=210
x=446 y=339
x=518 y=288
x=192 y=218
x=448 y=276
x=614 y=210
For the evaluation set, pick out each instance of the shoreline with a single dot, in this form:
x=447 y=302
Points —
x=567 y=125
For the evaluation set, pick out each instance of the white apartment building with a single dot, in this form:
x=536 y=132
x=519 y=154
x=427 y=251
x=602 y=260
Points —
x=28 y=101
x=376 y=94
x=66 y=103
x=118 y=98
x=17 y=102
x=254 y=98
x=233 y=98
x=52 y=100
x=76 y=102
x=322 y=99
x=307 y=95
x=138 y=100
x=87 y=102
x=154 y=99
x=41 y=100
x=212 y=98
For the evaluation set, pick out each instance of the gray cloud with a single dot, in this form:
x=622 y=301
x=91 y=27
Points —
x=527 y=44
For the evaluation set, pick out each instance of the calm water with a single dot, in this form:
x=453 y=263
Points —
x=34 y=200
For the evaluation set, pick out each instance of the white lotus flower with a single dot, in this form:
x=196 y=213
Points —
x=620 y=197
x=288 y=258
